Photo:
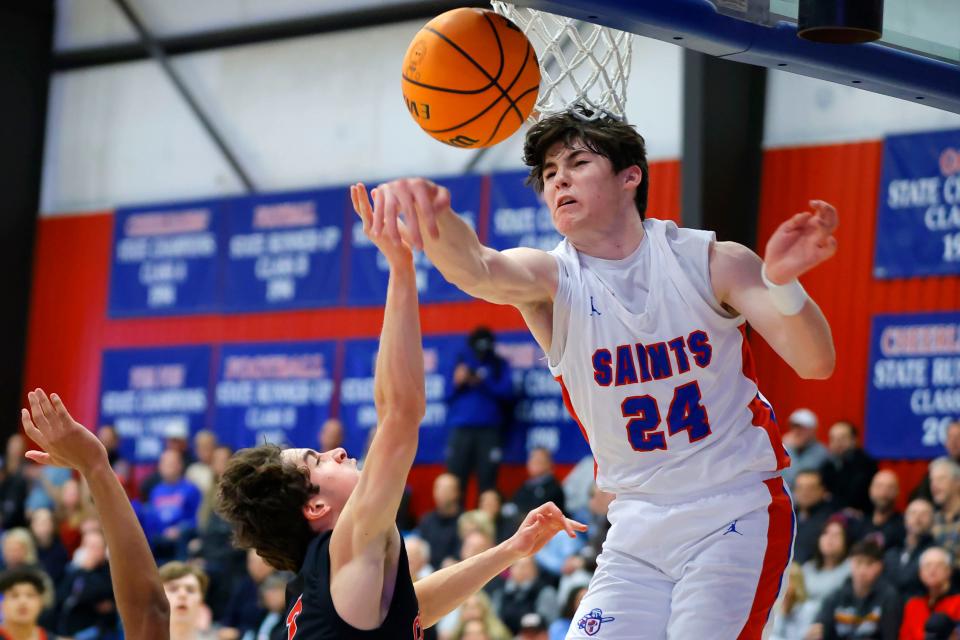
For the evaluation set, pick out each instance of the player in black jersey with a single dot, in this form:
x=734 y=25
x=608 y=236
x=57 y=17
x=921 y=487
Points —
x=315 y=513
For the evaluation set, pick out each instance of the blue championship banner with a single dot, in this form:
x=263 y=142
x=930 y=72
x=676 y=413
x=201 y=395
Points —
x=914 y=388
x=368 y=268
x=518 y=218
x=277 y=393
x=149 y=395
x=540 y=418
x=356 y=395
x=165 y=259
x=284 y=251
x=918 y=225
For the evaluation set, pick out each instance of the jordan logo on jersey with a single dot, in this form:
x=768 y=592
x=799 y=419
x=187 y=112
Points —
x=592 y=622
x=593 y=310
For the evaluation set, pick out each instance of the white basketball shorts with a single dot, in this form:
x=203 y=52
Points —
x=708 y=566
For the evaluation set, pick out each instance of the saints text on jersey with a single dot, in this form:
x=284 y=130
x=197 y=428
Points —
x=635 y=364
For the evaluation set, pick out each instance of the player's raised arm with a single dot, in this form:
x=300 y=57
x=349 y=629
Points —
x=769 y=295
x=143 y=605
x=443 y=591
x=519 y=277
x=399 y=395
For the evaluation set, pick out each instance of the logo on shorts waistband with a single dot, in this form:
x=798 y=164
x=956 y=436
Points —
x=591 y=622
x=732 y=529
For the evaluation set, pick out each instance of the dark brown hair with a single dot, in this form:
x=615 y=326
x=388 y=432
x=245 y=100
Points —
x=263 y=496
x=13 y=577
x=867 y=548
x=818 y=559
x=617 y=141
x=176 y=570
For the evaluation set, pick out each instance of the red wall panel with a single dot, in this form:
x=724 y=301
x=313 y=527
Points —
x=848 y=176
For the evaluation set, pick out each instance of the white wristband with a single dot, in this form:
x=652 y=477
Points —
x=787 y=298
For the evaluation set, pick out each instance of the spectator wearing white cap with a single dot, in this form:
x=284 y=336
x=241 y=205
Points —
x=806 y=452
x=532 y=627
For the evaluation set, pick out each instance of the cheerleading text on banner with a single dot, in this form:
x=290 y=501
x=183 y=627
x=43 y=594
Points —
x=357 y=410
x=149 y=395
x=540 y=419
x=369 y=269
x=914 y=388
x=284 y=251
x=918 y=225
x=518 y=217
x=274 y=392
x=165 y=259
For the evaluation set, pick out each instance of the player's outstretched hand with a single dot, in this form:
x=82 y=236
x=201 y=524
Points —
x=539 y=527
x=416 y=201
x=65 y=442
x=801 y=243
x=395 y=244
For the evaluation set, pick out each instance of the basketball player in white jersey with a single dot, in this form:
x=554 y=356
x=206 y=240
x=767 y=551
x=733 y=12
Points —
x=644 y=327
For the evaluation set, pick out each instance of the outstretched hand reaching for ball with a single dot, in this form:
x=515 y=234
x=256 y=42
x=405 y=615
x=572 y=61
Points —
x=404 y=209
x=393 y=241
x=801 y=243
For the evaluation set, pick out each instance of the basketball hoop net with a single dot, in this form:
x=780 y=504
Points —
x=580 y=62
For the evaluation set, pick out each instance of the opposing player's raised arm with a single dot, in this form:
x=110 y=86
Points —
x=789 y=321
x=399 y=396
x=443 y=591
x=143 y=605
x=519 y=277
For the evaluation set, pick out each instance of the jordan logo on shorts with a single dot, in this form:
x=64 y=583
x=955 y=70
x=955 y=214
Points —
x=591 y=622
x=732 y=529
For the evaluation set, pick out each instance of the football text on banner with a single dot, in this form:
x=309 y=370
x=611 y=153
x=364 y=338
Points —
x=276 y=393
x=284 y=251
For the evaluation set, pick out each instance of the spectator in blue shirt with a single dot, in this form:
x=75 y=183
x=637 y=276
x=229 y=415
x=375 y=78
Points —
x=477 y=409
x=173 y=505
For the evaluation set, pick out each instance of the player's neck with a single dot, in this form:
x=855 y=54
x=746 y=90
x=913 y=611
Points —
x=615 y=241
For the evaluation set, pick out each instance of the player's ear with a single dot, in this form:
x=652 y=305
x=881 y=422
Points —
x=632 y=176
x=315 y=509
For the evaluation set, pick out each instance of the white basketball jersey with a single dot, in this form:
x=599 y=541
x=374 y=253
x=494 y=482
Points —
x=666 y=395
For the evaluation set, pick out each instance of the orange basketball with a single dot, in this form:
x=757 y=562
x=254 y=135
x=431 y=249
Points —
x=470 y=78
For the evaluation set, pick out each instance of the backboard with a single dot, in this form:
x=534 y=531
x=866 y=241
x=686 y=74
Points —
x=918 y=58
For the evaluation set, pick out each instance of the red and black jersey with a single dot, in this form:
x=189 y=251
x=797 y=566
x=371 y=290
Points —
x=312 y=616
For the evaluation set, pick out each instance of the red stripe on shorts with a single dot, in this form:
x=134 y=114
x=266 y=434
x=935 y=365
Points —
x=569 y=405
x=775 y=559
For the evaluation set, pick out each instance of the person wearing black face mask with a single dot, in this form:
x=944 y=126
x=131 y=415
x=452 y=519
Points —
x=477 y=409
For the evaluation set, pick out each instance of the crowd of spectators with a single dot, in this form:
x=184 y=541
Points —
x=861 y=568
